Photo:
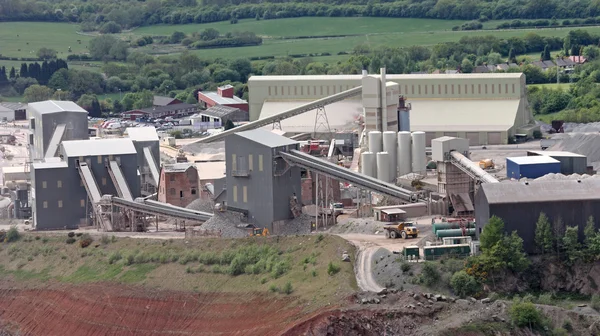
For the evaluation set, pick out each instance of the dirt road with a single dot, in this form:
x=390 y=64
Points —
x=367 y=245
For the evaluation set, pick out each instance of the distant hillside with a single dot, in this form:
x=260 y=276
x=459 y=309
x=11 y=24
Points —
x=131 y=13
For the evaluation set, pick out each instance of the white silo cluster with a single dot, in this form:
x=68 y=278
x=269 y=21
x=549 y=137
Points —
x=394 y=154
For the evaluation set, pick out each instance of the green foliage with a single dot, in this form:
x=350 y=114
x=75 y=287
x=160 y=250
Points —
x=71 y=240
x=525 y=314
x=332 y=268
x=509 y=253
x=571 y=244
x=320 y=237
x=492 y=233
x=12 y=235
x=108 y=48
x=430 y=275
x=543 y=234
x=464 y=284
x=113 y=257
x=273 y=288
x=287 y=288
x=405 y=267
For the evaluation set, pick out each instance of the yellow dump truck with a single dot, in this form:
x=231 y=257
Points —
x=403 y=230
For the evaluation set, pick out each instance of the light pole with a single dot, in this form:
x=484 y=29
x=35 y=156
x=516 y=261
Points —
x=120 y=95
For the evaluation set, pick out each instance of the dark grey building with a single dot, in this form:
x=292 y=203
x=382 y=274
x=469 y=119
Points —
x=222 y=113
x=147 y=146
x=259 y=181
x=59 y=198
x=519 y=204
x=570 y=163
x=52 y=122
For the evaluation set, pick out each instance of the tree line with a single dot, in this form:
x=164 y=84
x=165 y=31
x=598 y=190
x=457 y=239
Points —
x=130 y=13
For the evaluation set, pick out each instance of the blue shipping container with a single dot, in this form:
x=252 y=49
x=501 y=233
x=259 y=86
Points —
x=531 y=166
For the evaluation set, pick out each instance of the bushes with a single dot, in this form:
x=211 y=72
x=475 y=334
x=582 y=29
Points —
x=525 y=314
x=71 y=240
x=464 y=285
x=85 y=240
x=287 y=288
x=71 y=234
x=430 y=274
x=596 y=302
x=332 y=269
x=114 y=257
x=405 y=267
x=12 y=235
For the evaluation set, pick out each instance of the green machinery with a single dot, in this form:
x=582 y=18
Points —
x=439 y=251
x=455 y=233
x=449 y=226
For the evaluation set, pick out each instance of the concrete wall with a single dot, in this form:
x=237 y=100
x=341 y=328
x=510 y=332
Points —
x=52 y=203
x=45 y=124
x=146 y=177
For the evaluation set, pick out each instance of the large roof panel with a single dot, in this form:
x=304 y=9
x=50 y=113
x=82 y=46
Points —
x=537 y=159
x=541 y=191
x=266 y=138
x=142 y=133
x=55 y=106
x=118 y=146
x=465 y=115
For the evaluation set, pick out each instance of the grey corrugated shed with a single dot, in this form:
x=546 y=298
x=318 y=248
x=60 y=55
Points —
x=220 y=111
x=266 y=138
x=541 y=191
x=54 y=106
x=98 y=147
x=162 y=101
x=142 y=133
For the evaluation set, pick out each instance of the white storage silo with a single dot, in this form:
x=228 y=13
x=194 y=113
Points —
x=375 y=142
x=383 y=166
x=419 y=160
x=390 y=145
x=368 y=164
x=404 y=153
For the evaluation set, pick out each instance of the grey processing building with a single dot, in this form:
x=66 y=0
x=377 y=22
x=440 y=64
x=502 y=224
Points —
x=570 y=163
x=259 y=181
x=52 y=122
x=519 y=204
x=59 y=195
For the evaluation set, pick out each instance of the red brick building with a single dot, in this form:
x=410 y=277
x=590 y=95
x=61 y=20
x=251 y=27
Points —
x=178 y=184
x=224 y=96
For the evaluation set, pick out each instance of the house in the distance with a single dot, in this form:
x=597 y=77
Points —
x=174 y=111
x=223 y=96
x=13 y=111
x=578 y=59
x=165 y=101
x=217 y=116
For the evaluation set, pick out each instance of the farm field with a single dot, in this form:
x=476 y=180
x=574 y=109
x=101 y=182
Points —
x=352 y=31
x=23 y=39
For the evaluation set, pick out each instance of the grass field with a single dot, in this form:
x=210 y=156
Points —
x=372 y=31
x=564 y=86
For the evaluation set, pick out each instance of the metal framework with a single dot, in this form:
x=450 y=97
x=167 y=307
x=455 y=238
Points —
x=285 y=114
x=322 y=131
x=471 y=169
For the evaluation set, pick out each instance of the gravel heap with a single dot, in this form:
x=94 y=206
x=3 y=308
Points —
x=211 y=151
x=297 y=226
x=226 y=222
x=203 y=205
x=553 y=176
x=587 y=144
x=357 y=225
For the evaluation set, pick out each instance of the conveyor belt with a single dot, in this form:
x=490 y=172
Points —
x=158 y=204
x=304 y=160
x=119 y=180
x=89 y=182
x=160 y=210
x=151 y=164
x=57 y=136
x=285 y=114
x=471 y=168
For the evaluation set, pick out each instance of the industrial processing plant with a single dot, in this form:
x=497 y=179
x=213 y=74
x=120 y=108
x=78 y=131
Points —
x=381 y=147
